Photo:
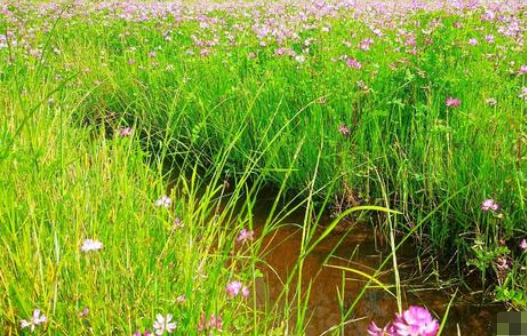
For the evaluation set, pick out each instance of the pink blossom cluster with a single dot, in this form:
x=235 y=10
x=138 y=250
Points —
x=415 y=321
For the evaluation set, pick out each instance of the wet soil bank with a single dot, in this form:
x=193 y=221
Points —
x=357 y=248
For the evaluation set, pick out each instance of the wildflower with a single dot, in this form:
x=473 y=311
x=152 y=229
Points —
x=523 y=245
x=245 y=291
x=503 y=263
x=236 y=287
x=473 y=42
x=416 y=321
x=489 y=205
x=280 y=51
x=146 y=333
x=353 y=63
x=523 y=95
x=35 y=321
x=300 y=58
x=245 y=235
x=344 y=130
x=124 y=132
x=178 y=223
x=163 y=201
x=523 y=70
x=490 y=38
x=365 y=44
x=91 y=245
x=84 y=313
x=453 y=102
x=362 y=85
x=213 y=323
x=388 y=330
x=491 y=101
x=163 y=324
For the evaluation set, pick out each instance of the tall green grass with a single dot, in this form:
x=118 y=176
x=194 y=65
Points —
x=405 y=146
x=231 y=119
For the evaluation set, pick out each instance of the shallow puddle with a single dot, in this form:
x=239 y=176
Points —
x=358 y=250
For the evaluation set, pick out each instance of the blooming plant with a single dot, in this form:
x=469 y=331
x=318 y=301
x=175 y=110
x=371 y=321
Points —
x=415 y=321
x=91 y=245
x=213 y=323
x=236 y=287
x=453 y=102
x=36 y=320
x=489 y=205
x=164 y=324
x=164 y=201
x=245 y=236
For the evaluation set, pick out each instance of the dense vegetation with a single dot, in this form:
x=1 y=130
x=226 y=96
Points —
x=414 y=106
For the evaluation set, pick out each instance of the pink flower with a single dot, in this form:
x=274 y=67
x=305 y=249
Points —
x=84 y=313
x=35 y=321
x=181 y=299
x=178 y=223
x=353 y=63
x=365 y=44
x=453 y=102
x=245 y=291
x=125 y=132
x=489 y=205
x=388 y=330
x=503 y=263
x=523 y=70
x=146 y=333
x=236 y=287
x=344 y=130
x=523 y=244
x=245 y=235
x=213 y=323
x=473 y=42
x=416 y=321
x=490 y=38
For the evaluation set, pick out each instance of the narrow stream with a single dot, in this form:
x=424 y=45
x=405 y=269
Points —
x=358 y=250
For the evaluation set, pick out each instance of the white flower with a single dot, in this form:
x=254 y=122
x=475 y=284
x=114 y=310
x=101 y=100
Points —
x=300 y=58
x=164 y=201
x=35 y=321
x=91 y=245
x=492 y=101
x=163 y=324
x=523 y=95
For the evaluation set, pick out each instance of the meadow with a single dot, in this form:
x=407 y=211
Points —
x=138 y=137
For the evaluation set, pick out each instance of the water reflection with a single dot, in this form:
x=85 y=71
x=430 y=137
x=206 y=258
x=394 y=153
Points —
x=357 y=249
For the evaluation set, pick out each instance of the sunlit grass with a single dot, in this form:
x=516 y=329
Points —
x=108 y=113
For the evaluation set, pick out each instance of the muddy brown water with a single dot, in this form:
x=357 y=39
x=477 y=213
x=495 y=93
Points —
x=357 y=249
